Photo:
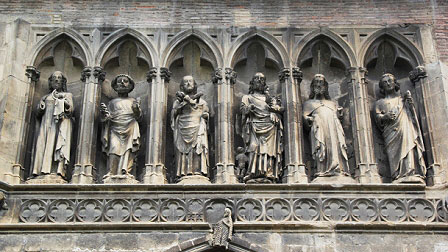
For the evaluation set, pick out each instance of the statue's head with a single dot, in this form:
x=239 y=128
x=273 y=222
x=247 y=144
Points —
x=58 y=82
x=227 y=212
x=258 y=83
x=319 y=86
x=123 y=84
x=188 y=85
x=240 y=149
x=388 y=83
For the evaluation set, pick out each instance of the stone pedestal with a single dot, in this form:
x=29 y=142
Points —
x=120 y=179
x=46 y=179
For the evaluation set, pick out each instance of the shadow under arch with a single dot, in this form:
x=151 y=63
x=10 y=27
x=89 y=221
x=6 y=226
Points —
x=86 y=58
x=262 y=36
x=331 y=36
x=203 y=40
x=116 y=36
x=395 y=36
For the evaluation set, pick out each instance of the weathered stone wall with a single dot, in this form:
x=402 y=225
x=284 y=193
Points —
x=260 y=241
x=267 y=13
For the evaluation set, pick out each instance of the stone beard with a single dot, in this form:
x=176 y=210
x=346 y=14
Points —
x=262 y=131
x=52 y=150
x=189 y=119
x=397 y=119
x=121 y=132
x=321 y=117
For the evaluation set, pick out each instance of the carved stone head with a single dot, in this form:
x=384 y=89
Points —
x=58 y=82
x=258 y=84
x=388 y=83
x=319 y=87
x=188 y=85
x=123 y=84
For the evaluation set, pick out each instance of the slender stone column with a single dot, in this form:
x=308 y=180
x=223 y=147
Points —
x=224 y=123
x=294 y=172
x=155 y=169
x=17 y=172
x=419 y=78
x=362 y=127
x=84 y=172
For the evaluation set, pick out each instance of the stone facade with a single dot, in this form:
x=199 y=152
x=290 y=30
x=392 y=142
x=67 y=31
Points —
x=224 y=46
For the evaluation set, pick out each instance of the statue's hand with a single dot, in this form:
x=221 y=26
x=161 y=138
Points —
x=309 y=120
x=136 y=105
x=205 y=116
x=390 y=116
x=104 y=111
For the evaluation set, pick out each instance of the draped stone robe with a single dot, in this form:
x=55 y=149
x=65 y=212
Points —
x=190 y=138
x=262 y=135
x=328 y=145
x=54 y=135
x=121 y=135
x=402 y=138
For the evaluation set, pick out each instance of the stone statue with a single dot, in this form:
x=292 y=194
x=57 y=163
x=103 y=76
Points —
x=189 y=121
x=397 y=119
x=55 y=111
x=322 y=118
x=261 y=118
x=221 y=232
x=121 y=132
x=242 y=160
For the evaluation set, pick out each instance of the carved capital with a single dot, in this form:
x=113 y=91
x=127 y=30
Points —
x=217 y=76
x=297 y=74
x=165 y=74
x=417 y=74
x=152 y=74
x=231 y=75
x=363 y=73
x=86 y=73
x=32 y=73
x=99 y=73
x=284 y=74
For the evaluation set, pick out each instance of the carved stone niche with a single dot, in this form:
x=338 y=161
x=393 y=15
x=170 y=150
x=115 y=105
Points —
x=322 y=55
x=128 y=56
x=65 y=55
x=387 y=55
x=253 y=56
x=191 y=57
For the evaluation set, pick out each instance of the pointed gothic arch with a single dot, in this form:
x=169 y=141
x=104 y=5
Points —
x=343 y=49
x=274 y=47
x=146 y=48
x=209 y=48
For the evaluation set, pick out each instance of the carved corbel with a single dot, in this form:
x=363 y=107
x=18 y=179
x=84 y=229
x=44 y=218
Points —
x=217 y=76
x=417 y=74
x=86 y=73
x=99 y=74
x=284 y=74
x=297 y=74
x=32 y=73
x=165 y=74
x=152 y=74
x=230 y=76
x=3 y=205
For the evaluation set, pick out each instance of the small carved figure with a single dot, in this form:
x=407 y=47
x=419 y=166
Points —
x=397 y=119
x=221 y=232
x=262 y=132
x=3 y=205
x=121 y=132
x=322 y=118
x=241 y=159
x=189 y=121
x=55 y=111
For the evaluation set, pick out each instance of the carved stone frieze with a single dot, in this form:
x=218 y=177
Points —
x=247 y=210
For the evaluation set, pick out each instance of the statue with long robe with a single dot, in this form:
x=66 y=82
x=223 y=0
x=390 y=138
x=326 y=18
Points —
x=222 y=231
x=121 y=132
x=55 y=111
x=261 y=118
x=322 y=118
x=189 y=122
x=397 y=119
